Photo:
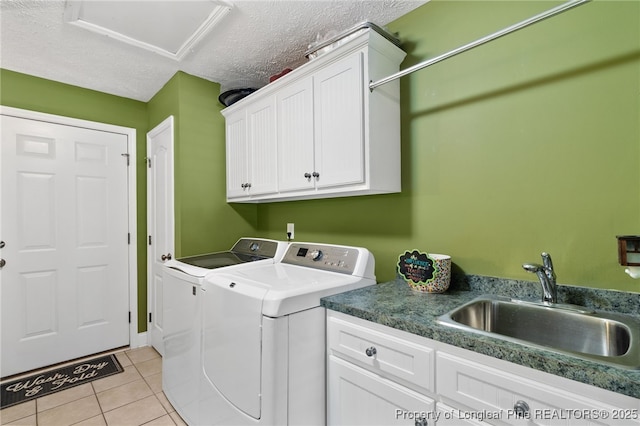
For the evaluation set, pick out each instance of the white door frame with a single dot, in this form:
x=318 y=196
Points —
x=134 y=339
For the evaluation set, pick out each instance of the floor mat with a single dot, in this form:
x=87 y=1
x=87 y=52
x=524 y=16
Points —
x=48 y=382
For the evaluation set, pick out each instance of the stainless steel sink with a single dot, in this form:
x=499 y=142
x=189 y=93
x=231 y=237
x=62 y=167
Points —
x=601 y=336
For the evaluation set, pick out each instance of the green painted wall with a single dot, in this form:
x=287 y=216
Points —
x=530 y=143
x=204 y=221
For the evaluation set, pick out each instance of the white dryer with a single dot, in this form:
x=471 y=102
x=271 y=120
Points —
x=263 y=359
x=182 y=316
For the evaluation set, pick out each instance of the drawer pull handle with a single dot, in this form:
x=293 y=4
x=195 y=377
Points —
x=521 y=409
x=371 y=351
x=422 y=421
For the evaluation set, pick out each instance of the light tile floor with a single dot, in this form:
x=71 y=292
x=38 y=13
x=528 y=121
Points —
x=131 y=398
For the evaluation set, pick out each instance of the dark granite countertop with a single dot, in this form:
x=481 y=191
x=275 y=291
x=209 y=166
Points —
x=395 y=305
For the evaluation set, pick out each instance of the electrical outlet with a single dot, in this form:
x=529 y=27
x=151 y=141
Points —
x=290 y=231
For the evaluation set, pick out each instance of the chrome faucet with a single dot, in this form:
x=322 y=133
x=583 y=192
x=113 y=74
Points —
x=547 y=278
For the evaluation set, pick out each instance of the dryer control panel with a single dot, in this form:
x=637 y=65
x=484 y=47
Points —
x=324 y=256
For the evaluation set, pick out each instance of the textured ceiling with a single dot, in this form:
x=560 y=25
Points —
x=254 y=41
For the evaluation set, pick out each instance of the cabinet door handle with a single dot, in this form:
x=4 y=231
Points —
x=166 y=257
x=521 y=409
x=307 y=175
x=316 y=175
x=421 y=422
x=371 y=351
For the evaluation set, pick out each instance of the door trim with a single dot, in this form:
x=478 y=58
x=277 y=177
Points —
x=135 y=340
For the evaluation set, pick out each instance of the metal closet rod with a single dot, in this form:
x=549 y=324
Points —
x=515 y=27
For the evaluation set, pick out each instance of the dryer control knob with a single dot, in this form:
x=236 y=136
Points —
x=316 y=255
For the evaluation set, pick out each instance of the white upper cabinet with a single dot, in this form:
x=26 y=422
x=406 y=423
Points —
x=237 y=162
x=339 y=131
x=261 y=144
x=251 y=150
x=319 y=131
x=295 y=136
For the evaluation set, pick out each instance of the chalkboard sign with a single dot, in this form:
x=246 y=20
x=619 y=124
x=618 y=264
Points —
x=417 y=267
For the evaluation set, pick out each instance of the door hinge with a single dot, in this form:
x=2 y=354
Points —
x=149 y=239
x=148 y=160
x=129 y=238
x=129 y=317
x=127 y=157
x=150 y=317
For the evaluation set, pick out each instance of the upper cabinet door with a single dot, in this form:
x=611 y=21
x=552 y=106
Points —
x=339 y=127
x=295 y=136
x=262 y=153
x=237 y=164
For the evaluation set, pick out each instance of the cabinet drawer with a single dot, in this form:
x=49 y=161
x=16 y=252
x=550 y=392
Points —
x=495 y=393
x=385 y=354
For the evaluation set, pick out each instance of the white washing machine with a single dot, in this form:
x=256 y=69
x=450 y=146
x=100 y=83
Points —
x=263 y=359
x=182 y=316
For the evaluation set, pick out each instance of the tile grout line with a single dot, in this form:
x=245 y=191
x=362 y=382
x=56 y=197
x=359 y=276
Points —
x=99 y=405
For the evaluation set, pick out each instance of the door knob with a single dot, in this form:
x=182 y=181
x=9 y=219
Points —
x=2 y=263
x=1 y=244
x=371 y=351
x=166 y=257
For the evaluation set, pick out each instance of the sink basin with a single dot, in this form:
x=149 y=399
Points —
x=601 y=336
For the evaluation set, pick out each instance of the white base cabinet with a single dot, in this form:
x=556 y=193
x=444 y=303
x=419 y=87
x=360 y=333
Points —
x=380 y=375
x=319 y=131
x=362 y=398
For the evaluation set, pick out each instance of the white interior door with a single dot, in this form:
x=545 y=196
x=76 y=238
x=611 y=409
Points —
x=160 y=222
x=65 y=214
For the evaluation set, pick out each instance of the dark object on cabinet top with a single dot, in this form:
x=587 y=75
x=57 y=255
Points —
x=230 y=97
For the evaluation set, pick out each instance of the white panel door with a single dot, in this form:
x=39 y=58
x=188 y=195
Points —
x=160 y=222
x=339 y=129
x=65 y=286
x=295 y=136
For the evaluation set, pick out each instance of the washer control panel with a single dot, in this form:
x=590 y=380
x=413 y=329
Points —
x=255 y=247
x=323 y=256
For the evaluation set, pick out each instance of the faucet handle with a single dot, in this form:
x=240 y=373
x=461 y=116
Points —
x=548 y=264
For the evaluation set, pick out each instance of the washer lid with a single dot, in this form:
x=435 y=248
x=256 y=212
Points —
x=220 y=259
x=245 y=250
